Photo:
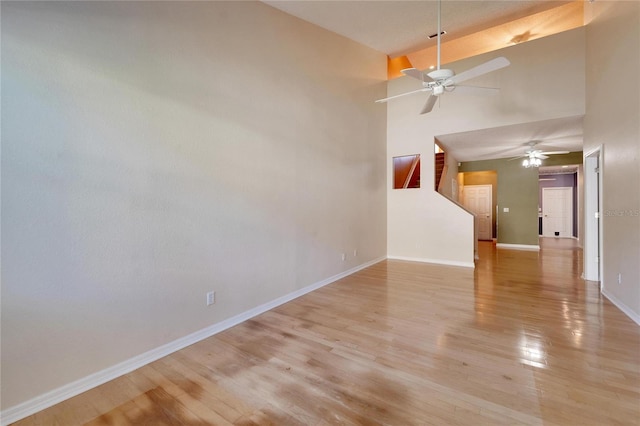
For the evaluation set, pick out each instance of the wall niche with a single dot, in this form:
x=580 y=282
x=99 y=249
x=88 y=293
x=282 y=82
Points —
x=406 y=171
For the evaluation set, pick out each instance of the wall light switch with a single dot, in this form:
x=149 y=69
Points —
x=505 y=209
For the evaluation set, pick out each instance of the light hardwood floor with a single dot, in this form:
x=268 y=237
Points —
x=520 y=340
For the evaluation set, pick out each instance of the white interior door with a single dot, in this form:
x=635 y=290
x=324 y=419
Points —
x=557 y=212
x=477 y=198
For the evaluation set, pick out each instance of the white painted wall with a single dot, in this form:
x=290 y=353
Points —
x=545 y=80
x=611 y=120
x=153 y=151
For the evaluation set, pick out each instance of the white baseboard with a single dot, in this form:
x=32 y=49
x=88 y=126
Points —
x=518 y=247
x=436 y=261
x=46 y=400
x=620 y=305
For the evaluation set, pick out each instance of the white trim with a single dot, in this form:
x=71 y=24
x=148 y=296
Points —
x=593 y=230
x=46 y=400
x=436 y=261
x=518 y=246
x=620 y=305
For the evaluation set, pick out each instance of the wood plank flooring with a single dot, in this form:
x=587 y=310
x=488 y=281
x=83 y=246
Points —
x=520 y=340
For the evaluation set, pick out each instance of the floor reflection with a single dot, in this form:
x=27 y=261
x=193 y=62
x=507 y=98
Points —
x=520 y=339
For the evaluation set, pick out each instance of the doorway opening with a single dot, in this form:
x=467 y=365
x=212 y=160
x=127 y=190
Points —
x=558 y=201
x=557 y=212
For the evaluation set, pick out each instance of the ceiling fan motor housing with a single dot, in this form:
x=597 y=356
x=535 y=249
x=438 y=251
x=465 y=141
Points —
x=442 y=74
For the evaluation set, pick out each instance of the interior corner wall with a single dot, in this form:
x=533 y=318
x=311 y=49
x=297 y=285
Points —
x=422 y=224
x=155 y=151
x=611 y=122
x=517 y=191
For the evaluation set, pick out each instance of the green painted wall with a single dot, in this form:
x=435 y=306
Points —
x=518 y=191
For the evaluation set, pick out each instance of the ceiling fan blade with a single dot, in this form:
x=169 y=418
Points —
x=518 y=157
x=487 y=67
x=417 y=74
x=428 y=106
x=477 y=90
x=424 y=89
x=541 y=156
x=553 y=152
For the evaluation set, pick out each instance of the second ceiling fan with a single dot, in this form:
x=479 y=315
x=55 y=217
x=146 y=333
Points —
x=440 y=80
x=533 y=157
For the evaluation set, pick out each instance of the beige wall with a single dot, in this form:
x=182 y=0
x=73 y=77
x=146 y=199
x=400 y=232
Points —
x=154 y=151
x=424 y=225
x=611 y=121
x=449 y=183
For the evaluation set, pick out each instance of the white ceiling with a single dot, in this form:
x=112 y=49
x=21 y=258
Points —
x=401 y=27
x=562 y=134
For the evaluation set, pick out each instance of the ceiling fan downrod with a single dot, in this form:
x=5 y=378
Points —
x=439 y=74
x=439 y=32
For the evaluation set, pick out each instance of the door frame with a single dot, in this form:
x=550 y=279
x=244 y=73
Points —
x=592 y=257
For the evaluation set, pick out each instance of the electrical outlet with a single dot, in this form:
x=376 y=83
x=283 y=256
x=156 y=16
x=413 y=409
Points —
x=355 y=253
x=344 y=257
x=211 y=298
x=619 y=278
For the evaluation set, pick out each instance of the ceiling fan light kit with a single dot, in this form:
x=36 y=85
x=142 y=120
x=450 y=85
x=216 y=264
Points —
x=440 y=80
x=533 y=157
x=532 y=162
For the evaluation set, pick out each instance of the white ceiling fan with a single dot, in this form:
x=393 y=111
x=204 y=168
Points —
x=533 y=157
x=440 y=80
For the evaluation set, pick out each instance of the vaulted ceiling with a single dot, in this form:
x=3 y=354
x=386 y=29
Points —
x=400 y=29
